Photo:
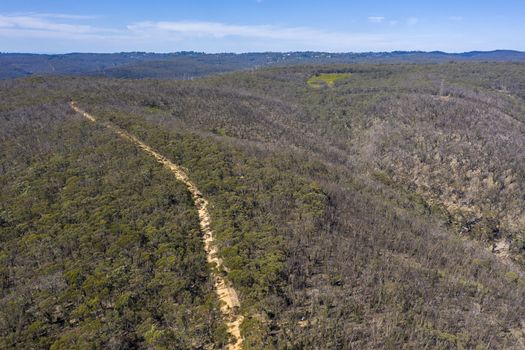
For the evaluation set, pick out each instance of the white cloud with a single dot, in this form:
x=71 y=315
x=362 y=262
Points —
x=177 y=35
x=221 y=30
x=49 y=23
x=376 y=19
x=34 y=22
x=53 y=33
x=190 y=29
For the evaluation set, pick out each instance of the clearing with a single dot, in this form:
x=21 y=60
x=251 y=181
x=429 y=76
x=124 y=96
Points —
x=326 y=79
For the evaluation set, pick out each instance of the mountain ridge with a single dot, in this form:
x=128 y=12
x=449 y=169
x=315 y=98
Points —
x=189 y=64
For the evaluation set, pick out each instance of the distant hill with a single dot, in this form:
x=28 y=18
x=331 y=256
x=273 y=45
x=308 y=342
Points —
x=188 y=65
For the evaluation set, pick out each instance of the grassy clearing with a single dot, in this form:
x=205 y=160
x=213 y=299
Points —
x=326 y=79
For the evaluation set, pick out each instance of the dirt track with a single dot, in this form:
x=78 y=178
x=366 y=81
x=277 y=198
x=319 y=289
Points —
x=227 y=295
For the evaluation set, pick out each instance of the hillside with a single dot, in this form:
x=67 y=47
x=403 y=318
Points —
x=190 y=65
x=353 y=206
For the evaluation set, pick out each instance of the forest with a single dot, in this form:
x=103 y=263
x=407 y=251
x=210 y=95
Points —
x=355 y=206
x=190 y=64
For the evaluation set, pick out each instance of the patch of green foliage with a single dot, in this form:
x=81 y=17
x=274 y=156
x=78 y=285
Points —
x=326 y=79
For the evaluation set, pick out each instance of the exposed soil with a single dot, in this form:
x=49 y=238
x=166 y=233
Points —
x=227 y=295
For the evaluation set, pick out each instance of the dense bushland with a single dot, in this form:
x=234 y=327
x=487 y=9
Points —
x=100 y=247
x=353 y=216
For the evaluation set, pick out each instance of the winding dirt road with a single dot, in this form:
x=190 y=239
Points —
x=227 y=295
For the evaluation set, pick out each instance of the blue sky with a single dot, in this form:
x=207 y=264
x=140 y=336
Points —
x=59 y=26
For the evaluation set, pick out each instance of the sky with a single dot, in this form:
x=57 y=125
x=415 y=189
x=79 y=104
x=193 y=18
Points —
x=62 y=26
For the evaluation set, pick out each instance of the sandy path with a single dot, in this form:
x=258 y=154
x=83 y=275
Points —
x=227 y=295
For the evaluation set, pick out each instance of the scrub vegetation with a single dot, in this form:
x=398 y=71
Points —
x=384 y=212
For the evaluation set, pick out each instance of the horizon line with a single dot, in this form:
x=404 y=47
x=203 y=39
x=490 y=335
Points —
x=258 y=52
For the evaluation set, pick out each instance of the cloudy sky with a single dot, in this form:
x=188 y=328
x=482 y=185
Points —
x=60 y=26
